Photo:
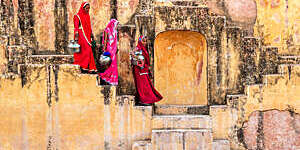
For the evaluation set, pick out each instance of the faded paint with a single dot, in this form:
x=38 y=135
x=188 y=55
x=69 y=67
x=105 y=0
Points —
x=44 y=24
x=180 y=62
x=278 y=130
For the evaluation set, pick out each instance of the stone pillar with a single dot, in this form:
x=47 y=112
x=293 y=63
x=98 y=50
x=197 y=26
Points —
x=61 y=26
x=249 y=56
x=3 y=57
x=26 y=23
x=232 y=60
x=268 y=61
x=16 y=55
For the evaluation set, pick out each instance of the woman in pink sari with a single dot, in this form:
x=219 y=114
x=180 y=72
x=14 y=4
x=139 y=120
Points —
x=146 y=93
x=83 y=35
x=110 y=41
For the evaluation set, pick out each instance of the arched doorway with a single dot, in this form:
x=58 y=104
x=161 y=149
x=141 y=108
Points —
x=180 y=60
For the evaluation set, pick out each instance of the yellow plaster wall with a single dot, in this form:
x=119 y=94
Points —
x=78 y=115
x=278 y=92
x=277 y=24
x=125 y=123
x=11 y=113
x=178 y=56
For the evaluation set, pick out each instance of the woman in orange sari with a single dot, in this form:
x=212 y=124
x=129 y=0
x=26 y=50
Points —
x=83 y=35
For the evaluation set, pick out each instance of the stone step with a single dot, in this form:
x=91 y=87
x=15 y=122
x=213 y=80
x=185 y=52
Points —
x=181 y=122
x=50 y=59
x=289 y=69
x=221 y=145
x=181 y=109
x=289 y=59
x=233 y=100
x=272 y=79
x=182 y=139
x=142 y=145
x=251 y=90
x=16 y=51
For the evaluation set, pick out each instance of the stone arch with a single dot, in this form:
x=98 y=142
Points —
x=180 y=67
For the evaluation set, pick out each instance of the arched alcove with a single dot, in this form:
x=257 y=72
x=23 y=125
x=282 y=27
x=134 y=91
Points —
x=180 y=62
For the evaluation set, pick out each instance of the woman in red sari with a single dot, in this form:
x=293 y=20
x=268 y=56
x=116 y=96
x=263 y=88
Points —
x=84 y=35
x=146 y=93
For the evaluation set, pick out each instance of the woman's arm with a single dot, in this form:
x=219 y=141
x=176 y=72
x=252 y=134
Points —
x=105 y=42
x=76 y=27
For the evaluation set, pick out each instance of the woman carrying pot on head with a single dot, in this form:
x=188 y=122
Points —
x=83 y=35
x=110 y=41
x=146 y=93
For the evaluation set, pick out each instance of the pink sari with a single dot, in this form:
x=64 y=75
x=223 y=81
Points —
x=111 y=74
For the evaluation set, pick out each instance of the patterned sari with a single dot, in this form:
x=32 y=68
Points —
x=111 y=74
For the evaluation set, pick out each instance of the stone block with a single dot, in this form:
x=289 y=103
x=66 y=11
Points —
x=125 y=123
x=221 y=145
x=13 y=121
x=249 y=58
x=16 y=55
x=187 y=14
x=3 y=57
x=78 y=108
x=181 y=122
x=272 y=79
x=289 y=69
x=181 y=139
x=142 y=145
x=181 y=109
x=292 y=59
x=230 y=58
x=38 y=129
x=223 y=120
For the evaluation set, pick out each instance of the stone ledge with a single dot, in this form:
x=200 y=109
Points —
x=181 y=122
x=181 y=109
x=142 y=145
x=221 y=145
x=271 y=78
x=182 y=130
x=50 y=59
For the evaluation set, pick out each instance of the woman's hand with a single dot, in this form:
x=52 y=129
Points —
x=76 y=37
x=98 y=45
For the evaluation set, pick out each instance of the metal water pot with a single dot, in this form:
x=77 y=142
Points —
x=104 y=62
x=138 y=57
x=73 y=47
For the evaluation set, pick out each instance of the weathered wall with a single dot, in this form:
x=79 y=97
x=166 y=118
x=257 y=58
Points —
x=278 y=24
x=180 y=67
x=275 y=21
x=56 y=107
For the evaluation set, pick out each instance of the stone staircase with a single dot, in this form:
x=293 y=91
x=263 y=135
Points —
x=164 y=127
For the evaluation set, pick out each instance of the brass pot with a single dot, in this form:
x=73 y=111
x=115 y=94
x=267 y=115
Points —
x=104 y=62
x=73 y=47
x=138 y=58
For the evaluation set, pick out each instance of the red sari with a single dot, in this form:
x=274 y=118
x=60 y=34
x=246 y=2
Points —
x=85 y=57
x=145 y=91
